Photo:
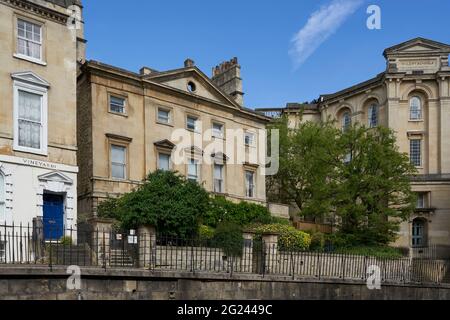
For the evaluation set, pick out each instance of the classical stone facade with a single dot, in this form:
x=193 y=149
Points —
x=38 y=145
x=412 y=96
x=131 y=124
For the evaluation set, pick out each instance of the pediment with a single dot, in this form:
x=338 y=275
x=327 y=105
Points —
x=204 y=87
x=165 y=144
x=55 y=176
x=419 y=46
x=195 y=151
x=220 y=157
x=30 y=77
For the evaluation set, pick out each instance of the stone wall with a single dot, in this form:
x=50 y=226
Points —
x=42 y=283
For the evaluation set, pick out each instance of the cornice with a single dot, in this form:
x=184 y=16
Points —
x=134 y=79
x=34 y=8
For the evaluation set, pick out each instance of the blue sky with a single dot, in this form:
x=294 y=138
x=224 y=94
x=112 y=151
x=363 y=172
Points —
x=162 y=34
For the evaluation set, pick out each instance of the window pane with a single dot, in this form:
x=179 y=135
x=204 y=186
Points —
x=193 y=170
x=192 y=123
x=249 y=138
x=118 y=171
x=118 y=162
x=373 y=116
x=117 y=104
x=29 y=120
x=164 y=162
x=217 y=130
x=250 y=183
x=163 y=116
x=29 y=106
x=218 y=178
x=415 y=152
x=346 y=121
x=118 y=154
x=415 y=109
x=218 y=171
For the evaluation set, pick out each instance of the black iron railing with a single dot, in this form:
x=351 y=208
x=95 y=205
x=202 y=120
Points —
x=31 y=244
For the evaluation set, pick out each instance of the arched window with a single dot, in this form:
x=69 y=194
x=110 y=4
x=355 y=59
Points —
x=373 y=115
x=346 y=121
x=415 y=108
x=419 y=233
x=2 y=197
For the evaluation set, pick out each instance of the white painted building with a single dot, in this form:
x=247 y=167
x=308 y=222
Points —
x=39 y=52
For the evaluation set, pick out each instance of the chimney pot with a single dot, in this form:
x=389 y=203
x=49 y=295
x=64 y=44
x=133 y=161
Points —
x=189 y=63
x=145 y=71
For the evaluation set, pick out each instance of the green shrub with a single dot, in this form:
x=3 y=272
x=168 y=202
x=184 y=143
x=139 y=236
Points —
x=205 y=232
x=66 y=241
x=165 y=200
x=317 y=241
x=228 y=237
x=289 y=237
x=108 y=208
x=221 y=209
x=377 y=251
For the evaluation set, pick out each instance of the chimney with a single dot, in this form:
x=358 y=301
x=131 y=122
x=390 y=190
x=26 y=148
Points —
x=78 y=25
x=227 y=76
x=145 y=71
x=189 y=63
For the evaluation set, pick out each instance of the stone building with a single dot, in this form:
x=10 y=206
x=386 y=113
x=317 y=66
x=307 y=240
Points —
x=40 y=43
x=129 y=125
x=412 y=96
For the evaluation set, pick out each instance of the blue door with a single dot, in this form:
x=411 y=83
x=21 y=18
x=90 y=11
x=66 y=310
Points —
x=53 y=217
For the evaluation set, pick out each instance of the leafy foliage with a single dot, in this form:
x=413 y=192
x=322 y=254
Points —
x=289 y=237
x=357 y=177
x=243 y=213
x=228 y=237
x=166 y=200
x=308 y=163
x=374 y=191
x=205 y=232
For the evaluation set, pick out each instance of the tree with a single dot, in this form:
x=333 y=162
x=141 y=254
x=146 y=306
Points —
x=373 y=192
x=358 y=177
x=166 y=200
x=309 y=157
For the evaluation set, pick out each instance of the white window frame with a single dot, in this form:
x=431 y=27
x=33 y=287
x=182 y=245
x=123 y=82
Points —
x=162 y=109
x=198 y=169
x=247 y=185
x=420 y=111
x=196 y=123
x=115 y=96
x=159 y=160
x=125 y=164
x=252 y=137
x=218 y=134
x=222 y=180
x=41 y=43
x=43 y=92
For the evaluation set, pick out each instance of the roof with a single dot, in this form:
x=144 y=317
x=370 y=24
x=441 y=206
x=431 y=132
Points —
x=439 y=46
x=356 y=87
x=65 y=3
x=154 y=78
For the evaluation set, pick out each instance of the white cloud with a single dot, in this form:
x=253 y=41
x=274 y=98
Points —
x=321 y=25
